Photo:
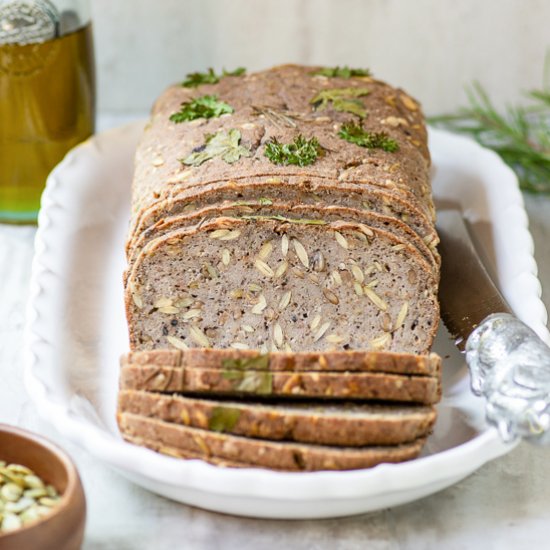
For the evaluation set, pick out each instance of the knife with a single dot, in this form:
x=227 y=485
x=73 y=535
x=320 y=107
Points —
x=509 y=364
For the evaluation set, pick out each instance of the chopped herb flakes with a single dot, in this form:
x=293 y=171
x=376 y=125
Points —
x=224 y=145
x=206 y=106
x=342 y=99
x=223 y=419
x=354 y=133
x=341 y=72
x=300 y=152
x=193 y=80
x=279 y=218
x=262 y=201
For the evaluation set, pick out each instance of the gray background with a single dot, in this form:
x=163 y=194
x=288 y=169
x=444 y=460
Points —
x=432 y=48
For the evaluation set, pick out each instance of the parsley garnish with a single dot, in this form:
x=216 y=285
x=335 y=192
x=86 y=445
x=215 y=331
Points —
x=341 y=72
x=300 y=152
x=239 y=71
x=221 y=144
x=342 y=99
x=193 y=80
x=354 y=133
x=206 y=106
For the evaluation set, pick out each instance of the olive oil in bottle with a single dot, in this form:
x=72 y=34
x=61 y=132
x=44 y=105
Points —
x=46 y=107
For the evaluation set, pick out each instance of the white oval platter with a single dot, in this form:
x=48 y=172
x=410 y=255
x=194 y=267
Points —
x=76 y=331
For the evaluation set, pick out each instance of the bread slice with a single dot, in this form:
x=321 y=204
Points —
x=268 y=208
x=319 y=192
x=183 y=454
x=348 y=424
x=335 y=361
x=246 y=382
x=287 y=456
x=270 y=285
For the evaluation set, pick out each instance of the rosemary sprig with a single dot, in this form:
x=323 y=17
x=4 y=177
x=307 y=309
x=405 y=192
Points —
x=520 y=135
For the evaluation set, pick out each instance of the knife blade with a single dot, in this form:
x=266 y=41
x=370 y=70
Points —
x=467 y=294
x=509 y=364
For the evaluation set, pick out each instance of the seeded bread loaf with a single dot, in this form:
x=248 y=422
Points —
x=286 y=210
x=267 y=454
x=283 y=384
x=270 y=285
x=348 y=425
x=335 y=361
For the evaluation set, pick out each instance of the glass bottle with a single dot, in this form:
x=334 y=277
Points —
x=47 y=96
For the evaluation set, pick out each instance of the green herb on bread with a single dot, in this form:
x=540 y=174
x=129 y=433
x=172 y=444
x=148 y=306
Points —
x=355 y=133
x=300 y=152
x=342 y=99
x=341 y=72
x=206 y=106
x=192 y=80
x=224 y=145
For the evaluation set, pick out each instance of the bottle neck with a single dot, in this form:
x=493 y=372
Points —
x=32 y=21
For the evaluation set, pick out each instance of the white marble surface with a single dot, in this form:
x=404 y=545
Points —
x=505 y=505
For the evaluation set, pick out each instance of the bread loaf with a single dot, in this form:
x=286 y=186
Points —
x=282 y=246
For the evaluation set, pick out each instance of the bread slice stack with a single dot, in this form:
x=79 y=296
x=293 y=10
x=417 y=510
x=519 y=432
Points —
x=281 y=290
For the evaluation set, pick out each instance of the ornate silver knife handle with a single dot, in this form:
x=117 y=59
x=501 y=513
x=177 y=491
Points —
x=510 y=366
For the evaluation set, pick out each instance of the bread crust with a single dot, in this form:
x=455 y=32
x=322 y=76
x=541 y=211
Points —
x=287 y=456
x=348 y=425
x=332 y=361
x=260 y=383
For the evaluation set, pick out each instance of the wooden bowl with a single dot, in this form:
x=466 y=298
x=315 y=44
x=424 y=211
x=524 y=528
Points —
x=63 y=529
